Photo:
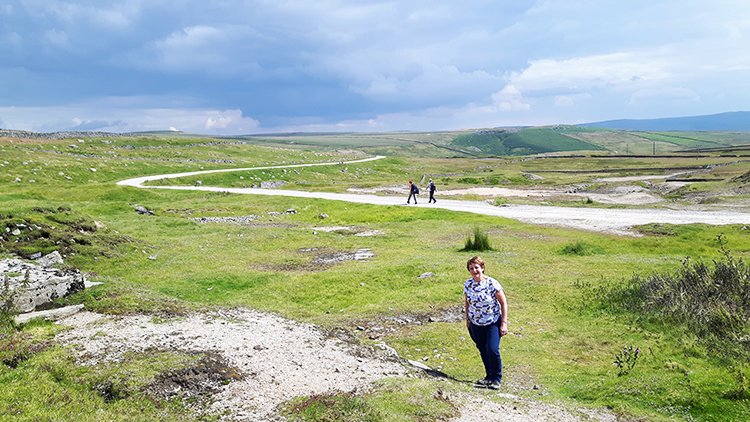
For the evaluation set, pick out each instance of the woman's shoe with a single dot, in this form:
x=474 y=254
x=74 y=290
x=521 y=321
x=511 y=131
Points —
x=482 y=383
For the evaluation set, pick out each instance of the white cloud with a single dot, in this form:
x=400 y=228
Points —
x=509 y=98
x=609 y=70
x=191 y=37
x=195 y=49
x=564 y=101
x=128 y=119
x=219 y=123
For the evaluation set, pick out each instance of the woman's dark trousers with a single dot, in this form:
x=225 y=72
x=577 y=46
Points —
x=487 y=339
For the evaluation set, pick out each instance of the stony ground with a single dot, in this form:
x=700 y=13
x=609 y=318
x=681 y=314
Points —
x=278 y=359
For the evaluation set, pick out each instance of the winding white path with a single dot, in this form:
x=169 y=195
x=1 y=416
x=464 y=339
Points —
x=613 y=221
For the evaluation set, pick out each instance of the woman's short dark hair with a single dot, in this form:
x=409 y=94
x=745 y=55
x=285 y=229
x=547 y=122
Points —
x=475 y=260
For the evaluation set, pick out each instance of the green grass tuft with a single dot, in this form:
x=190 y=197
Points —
x=580 y=249
x=480 y=243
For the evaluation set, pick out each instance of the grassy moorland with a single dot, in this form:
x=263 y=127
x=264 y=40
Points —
x=577 y=301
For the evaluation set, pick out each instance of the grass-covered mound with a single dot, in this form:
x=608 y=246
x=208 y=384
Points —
x=43 y=230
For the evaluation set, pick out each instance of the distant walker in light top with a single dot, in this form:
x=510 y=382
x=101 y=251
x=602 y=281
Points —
x=486 y=320
x=432 y=188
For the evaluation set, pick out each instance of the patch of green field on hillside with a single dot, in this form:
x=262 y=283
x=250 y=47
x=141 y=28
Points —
x=524 y=141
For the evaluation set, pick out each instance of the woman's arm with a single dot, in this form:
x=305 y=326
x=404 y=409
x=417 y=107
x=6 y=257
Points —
x=466 y=310
x=500 y=296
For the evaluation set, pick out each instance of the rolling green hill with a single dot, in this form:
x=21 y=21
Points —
x=525 y=141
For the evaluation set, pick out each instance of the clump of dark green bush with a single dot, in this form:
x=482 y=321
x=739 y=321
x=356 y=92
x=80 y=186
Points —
x=712 y=301
x=480 y=243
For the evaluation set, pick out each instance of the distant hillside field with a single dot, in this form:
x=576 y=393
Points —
x=525 y=141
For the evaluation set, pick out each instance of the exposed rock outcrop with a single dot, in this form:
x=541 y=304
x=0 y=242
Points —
x=30 y=285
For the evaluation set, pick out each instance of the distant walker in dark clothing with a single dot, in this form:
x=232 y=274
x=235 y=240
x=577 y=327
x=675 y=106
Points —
x=413 y=191
x=432 y=188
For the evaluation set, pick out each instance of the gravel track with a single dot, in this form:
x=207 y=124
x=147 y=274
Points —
x=603 y=220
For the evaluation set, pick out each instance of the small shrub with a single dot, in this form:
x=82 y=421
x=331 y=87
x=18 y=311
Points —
x=480 y=243
x=626 y=360
x=7 y=298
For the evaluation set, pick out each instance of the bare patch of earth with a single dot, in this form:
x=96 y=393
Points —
x=259 y=361
x=623 y=195
x=321 y=259
x=279 y=359
x=197 y=382
x=356 y=231
x=402 y=189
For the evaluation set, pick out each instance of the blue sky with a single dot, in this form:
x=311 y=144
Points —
x=242 y=67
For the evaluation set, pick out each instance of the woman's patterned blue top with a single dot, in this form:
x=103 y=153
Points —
x=484 y=308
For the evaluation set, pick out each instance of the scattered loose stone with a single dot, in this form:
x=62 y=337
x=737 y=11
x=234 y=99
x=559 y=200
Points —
x=49 y=315
x=50 y=259
x=143 y=210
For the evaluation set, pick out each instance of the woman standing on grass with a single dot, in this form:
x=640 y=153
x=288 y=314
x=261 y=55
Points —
x=486 y=319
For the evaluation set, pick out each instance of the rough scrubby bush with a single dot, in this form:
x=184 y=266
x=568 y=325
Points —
x=712 y=301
